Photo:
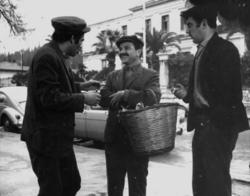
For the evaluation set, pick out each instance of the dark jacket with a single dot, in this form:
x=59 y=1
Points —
x=220 y=81
x=52 y=100
x=136 y=90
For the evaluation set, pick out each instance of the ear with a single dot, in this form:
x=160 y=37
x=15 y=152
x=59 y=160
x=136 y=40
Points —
x=139 y=52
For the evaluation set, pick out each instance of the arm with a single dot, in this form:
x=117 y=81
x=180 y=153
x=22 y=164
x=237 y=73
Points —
x=88 y=85
x=49 y=93
x=106 y=92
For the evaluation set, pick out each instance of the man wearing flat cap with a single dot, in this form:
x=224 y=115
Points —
x=125 y=88
x=53 y=98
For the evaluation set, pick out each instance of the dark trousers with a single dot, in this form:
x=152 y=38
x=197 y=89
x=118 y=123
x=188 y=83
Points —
x=120 y=163
x=57 y=176
x=212 y=155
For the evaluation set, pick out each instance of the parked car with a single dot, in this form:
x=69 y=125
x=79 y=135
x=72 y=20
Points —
x=90 y=124
x=12 y=107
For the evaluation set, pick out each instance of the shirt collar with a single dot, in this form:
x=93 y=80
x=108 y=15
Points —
x=205 y=41
x=131 y=68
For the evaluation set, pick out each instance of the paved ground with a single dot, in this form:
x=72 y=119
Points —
x=169 y=174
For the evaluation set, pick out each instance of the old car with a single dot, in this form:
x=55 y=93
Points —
x=12 y=106
x=90 y=123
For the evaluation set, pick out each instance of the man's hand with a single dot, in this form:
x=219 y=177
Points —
x=179 y=91
x=116 y=98
x=92 y=97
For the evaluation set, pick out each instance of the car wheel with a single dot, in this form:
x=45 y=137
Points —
x=7 y=124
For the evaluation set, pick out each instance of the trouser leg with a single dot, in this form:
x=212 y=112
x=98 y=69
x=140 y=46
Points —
x=116 y=172
x=56 y=176
x=212 y=154
x=137 y=175
x=71 y=179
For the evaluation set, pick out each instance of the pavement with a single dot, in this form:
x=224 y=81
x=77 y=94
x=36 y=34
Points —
x=169 y=173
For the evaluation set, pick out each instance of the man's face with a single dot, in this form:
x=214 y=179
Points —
x=75 y=48
x=194 y=30
x=128 y=54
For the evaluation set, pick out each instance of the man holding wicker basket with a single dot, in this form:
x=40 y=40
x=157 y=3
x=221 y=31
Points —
x=125 y=89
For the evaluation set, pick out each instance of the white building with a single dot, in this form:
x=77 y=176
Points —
x=158 y=14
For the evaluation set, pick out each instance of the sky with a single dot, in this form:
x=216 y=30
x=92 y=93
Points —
x=37 y=15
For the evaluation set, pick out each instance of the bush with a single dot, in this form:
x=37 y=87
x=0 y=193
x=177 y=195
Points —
x=180 y=65
x=245 y=70
x=20 y=79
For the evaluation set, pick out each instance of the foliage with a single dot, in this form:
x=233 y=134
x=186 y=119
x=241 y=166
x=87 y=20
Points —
x=106 y=41
x=159 y=41
x=233 y=14
x=14 y=20
x=82 y=75
x=180 y=65
x=20 y=79
x=245 y=69
x=106 y=44
x=23 y=57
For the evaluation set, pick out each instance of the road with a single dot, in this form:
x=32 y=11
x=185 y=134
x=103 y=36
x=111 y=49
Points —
x=169 y=173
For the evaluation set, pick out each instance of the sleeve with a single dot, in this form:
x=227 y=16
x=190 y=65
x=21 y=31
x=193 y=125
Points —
x=49 y=92
x=229 y=90
x=106 y=91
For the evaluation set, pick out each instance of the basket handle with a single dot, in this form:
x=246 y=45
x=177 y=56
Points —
x=183 y=107
x=141 y=105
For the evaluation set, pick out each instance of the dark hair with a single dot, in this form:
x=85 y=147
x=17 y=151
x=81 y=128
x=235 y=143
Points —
x=199 y=13
x=62 y=37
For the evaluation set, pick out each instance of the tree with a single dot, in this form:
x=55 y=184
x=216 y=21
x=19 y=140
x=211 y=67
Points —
x=107 y=39
x=159 y=41
x=20 y=79
x=180 y=65
x=245 y=69
x=233 y=14
x=106 y=44
x=8 y=14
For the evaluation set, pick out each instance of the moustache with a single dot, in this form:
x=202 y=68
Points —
x=121 y=55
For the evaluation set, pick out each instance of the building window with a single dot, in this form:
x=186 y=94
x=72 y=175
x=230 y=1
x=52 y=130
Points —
x=165 y=23
x=148 y=25
x=124 y=30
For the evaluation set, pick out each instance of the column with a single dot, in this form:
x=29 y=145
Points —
x=164 y=73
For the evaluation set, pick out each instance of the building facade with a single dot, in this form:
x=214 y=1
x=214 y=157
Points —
x=159 y=14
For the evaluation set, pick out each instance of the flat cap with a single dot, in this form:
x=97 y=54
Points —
x=70 y=24
x=130 y=38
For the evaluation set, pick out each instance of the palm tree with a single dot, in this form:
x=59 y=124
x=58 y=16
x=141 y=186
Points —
x=159 y=41
x=106 y=44
x=107 y=39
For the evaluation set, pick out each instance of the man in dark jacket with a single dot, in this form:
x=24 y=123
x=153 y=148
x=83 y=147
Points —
x=53 y=98
x=125 y=88
x=216 y=112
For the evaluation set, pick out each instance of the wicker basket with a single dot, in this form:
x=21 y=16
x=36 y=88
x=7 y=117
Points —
x=151 y=130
